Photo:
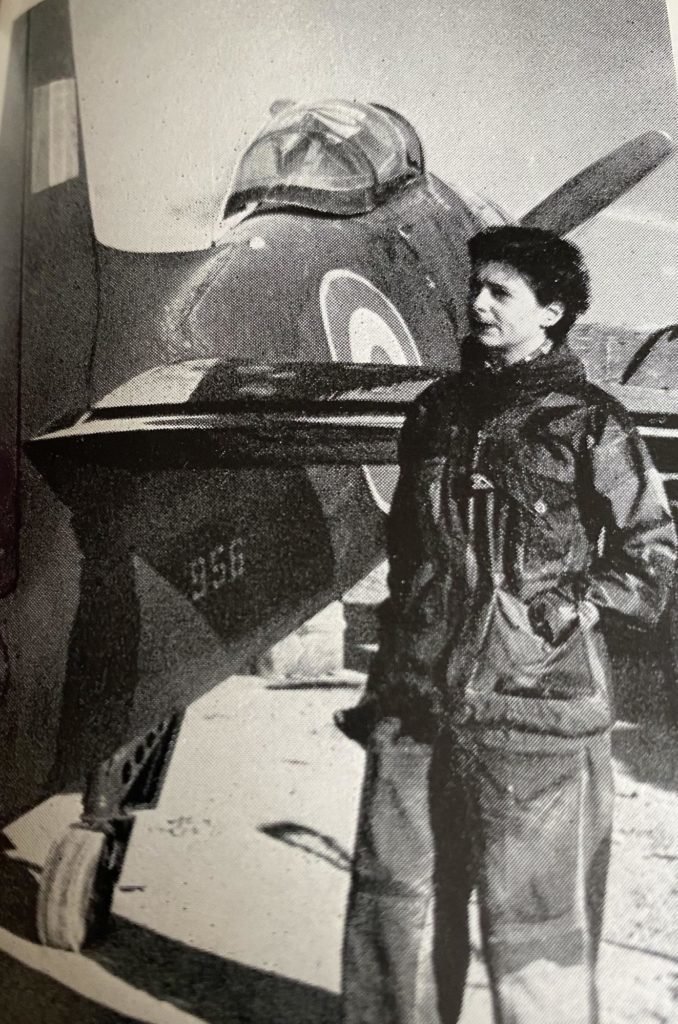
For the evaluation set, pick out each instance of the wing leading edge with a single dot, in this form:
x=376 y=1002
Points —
x=216 y=413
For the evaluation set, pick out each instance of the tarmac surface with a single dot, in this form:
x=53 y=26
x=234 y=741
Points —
x=230 y=906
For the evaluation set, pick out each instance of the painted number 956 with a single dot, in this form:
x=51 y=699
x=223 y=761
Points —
x=220 y=566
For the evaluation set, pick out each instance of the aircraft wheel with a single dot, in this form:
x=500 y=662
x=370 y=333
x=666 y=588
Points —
x=76 y=888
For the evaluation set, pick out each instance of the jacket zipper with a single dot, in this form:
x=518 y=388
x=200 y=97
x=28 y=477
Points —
x=470 y=559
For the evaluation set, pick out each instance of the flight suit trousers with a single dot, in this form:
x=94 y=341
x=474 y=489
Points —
x=524 y=819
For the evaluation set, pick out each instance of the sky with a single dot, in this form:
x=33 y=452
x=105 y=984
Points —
x=509 y=97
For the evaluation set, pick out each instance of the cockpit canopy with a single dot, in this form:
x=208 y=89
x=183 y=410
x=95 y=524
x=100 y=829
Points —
x=335 y=157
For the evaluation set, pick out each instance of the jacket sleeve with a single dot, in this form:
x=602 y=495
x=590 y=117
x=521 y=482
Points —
x=401 y=556
x=415 y=620
x=633 y=572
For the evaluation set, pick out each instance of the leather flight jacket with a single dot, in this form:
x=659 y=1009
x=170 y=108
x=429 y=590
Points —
x=531 y=473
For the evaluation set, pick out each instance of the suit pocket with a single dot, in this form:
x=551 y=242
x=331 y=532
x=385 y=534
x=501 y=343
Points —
x=513 y=677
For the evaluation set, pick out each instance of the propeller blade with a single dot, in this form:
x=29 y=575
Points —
x=599 y=184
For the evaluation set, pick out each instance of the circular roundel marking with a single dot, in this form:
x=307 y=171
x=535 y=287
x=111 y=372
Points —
x=363 y=326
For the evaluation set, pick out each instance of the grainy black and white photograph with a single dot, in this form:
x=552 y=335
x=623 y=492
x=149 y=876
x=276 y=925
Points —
x=338 y=503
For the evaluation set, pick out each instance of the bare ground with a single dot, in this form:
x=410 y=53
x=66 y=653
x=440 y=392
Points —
x=230 y=907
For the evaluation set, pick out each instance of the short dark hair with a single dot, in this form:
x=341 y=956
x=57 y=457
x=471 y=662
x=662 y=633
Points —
x=552 y=266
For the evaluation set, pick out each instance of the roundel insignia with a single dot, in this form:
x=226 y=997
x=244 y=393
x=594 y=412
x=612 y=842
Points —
x=363 y=326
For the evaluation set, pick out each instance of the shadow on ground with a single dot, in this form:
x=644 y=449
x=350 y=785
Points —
x=31 y=997
x=316 y=684
x=18 y=894
x=215 y=990
x=310 y=841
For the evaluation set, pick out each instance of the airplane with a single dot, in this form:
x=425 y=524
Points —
x=208 y=439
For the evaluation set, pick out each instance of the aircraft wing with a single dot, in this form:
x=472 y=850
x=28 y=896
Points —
x=215 y=412
x=655 y=412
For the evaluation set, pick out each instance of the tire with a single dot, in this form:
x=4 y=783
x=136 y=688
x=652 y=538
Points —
x=76 y=889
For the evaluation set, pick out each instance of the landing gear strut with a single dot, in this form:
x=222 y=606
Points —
x=83 y=865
